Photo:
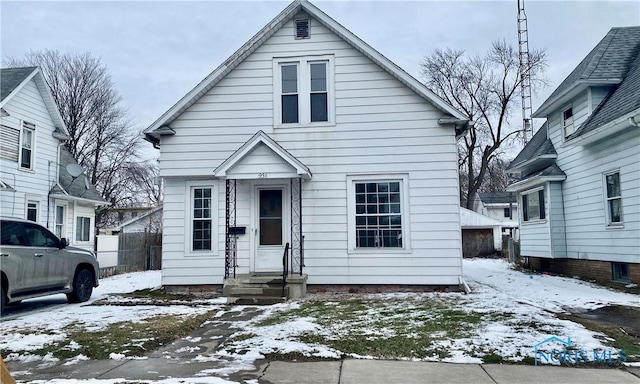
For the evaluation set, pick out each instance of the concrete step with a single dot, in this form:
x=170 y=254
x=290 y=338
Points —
x=247 y=290
x=256 y=300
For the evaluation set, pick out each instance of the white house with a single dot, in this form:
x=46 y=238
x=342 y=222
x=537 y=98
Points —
x=35 y=182
x=308 y=136
x=501 y=206
x=579 y=186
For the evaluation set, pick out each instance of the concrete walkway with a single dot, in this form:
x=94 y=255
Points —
x=338 y=372
x=386 y=372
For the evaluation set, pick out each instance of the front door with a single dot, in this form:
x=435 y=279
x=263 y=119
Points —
x=270 y=233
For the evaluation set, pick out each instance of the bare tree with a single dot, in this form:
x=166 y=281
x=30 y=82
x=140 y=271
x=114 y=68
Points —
x=101 y=137
x=487 y=89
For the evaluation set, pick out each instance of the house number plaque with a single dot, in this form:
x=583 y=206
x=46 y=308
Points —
x=262 y=175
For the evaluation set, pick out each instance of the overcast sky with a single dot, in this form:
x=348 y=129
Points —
x=156 y=51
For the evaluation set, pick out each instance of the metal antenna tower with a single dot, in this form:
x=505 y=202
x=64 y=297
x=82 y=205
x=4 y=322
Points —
x=523 y=69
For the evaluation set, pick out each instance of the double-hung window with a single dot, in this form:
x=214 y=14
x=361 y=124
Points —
x=303 y=90
x=377 y=212
x=613 y=198
x=59 y=229
x=533 y=206
x=83 y=228
x=202 y=220
x=567 y=122
x=26 y=145
x=32 y=210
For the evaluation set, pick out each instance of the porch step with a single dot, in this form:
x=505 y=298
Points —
x=257 y=291
x=263 y=289
x=256 y=300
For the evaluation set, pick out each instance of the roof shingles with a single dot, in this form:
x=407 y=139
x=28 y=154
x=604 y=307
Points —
x=10 y=78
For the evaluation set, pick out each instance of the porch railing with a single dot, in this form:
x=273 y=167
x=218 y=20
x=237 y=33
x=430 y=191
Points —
x=285 y=267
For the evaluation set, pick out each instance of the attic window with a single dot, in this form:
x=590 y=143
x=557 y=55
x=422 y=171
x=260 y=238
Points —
x=301 y=28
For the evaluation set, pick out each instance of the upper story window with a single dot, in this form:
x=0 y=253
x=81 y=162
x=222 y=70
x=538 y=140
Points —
x=303 y=91
x=507 y=212
x=614 y=198
x=567 y=122
x=533 y=206
x=26 y=145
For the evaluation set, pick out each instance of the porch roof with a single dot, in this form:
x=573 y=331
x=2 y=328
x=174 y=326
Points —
x=262 y=138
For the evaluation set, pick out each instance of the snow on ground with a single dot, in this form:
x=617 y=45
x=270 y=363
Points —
x=531 y=301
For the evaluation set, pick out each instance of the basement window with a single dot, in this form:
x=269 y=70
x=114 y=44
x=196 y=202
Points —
x=301 y=28
x=620 y=272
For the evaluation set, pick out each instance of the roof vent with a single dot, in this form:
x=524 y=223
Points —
x=301 y=28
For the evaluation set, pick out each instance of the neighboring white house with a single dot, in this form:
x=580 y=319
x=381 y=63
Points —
x=501 y=206
x=35 y=183
x=579 y=185
x=308 y=136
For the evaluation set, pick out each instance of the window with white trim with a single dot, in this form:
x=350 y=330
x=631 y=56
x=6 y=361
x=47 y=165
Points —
x=377 y=212
x=533 y=207
x=201 y=219
x=32 y=210
x=26 y=145
x=613 y=198
x=303 y=90
x=83 y=228
x=60 y=218
x=567 y=121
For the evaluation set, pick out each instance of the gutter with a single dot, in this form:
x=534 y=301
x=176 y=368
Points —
x=629 y=120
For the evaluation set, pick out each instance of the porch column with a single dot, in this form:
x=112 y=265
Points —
x=297 y=240
x=230 y=260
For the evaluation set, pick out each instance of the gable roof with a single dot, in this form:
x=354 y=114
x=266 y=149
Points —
x=261 y=138
x=12 y=80
x=71 y=188
x=622 y=100
x=158 y=128
x=606 y=64
x=538 y=149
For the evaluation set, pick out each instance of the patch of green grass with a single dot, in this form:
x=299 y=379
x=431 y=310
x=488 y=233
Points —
x=128 y=338
x=389 y=328
x=492 y=358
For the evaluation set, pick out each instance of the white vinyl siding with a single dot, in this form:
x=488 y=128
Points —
x=374 y=116
x=27 y=105
x=584 y=196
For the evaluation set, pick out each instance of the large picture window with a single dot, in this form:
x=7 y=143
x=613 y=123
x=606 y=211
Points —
x=614 y=198
x=202 y=221
x=378 y=218
x=533 y=206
